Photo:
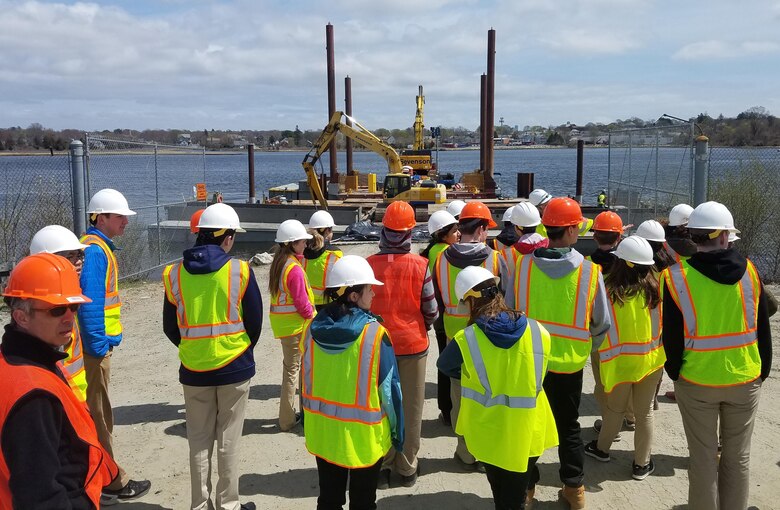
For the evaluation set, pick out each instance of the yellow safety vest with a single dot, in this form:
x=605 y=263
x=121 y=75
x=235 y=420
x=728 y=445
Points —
x=433 y=254
x=209 y=314
x=632 y=348
x=285 y=319
x=345 y=423
x=563 y=306
x=721 y=343
x=74 y=364
x=585 y=227
x=112 y=305
x=317 y=272
x=504 y=413
x=456 y=314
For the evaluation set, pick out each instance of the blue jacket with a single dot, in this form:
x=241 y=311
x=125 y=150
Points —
x=337 y=335
x=93 y=284
x=207 y=259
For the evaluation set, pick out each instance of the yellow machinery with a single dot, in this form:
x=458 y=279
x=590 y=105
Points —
x=398 y=186
x=419 y=158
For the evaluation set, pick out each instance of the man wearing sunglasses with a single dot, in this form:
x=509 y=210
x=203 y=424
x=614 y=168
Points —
x=51 y=455
x=101 y=329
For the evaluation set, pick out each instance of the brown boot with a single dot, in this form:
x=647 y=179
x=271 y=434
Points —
x=529 y=498
x=574 y=496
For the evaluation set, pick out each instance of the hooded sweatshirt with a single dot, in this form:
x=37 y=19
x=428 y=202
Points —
x=604 y=258
x=208 y=259
x=502 y=330
x=508 y=236
x=462 y=255
x=336 y=335
x=725 y=267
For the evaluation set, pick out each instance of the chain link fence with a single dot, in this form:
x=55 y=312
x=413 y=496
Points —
x=155 y=179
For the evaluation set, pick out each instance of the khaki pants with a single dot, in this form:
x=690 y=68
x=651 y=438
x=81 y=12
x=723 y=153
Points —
x=641 y=394
x=291 y=366
x=215 y=413
x=598 y=390
x=717 y=485
x=411 y=370
x=98 y=372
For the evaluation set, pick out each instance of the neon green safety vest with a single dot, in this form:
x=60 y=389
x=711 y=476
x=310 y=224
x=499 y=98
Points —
x=456 y=314
x=73 y=365
x=585 y=227
x=563 y=306
x=209 y=314
x=317 y=272
x=345 y=424
x=285 y=319
x=721 y=343
x=433 y=254
x=504 y=413
x=632 y=348
x=112 y=305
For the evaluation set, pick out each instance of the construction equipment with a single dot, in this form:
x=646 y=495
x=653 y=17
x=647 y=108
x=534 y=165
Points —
x=419 y=158
x=397 y=186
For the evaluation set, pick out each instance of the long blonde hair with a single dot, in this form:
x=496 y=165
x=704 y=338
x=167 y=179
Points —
x=283 y=252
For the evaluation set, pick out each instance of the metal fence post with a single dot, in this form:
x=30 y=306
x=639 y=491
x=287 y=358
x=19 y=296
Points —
x=77 y=192
x=157 y=203
x=700 y=171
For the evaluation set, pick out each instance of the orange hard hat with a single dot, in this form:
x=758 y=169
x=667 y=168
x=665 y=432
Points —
x=477 y=210
x=562 y=212
x=46 y=277
x=608 y=222
x=195 y=219
x=399 y=216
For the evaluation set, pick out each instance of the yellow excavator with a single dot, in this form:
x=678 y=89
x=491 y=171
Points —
x=418 y=157
x=397 y=185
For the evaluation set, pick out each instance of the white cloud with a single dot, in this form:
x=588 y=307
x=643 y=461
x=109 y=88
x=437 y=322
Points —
x=715 y=49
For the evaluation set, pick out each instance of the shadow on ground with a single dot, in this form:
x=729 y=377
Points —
x=451 y=500
x=137 y=505
x=292 y=484
x=146 y=413
x=251 y=426
x=264 y=391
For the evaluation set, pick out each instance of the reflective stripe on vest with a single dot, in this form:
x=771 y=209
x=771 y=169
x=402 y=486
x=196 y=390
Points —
x=488 y=399
x=448 y=284
x=73 y=365
x=317 y=273
x=284 y=316
x=631 y=348
x=672 y=253
x=112 y=304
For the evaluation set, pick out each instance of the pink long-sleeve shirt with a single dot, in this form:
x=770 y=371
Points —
x=296 y=282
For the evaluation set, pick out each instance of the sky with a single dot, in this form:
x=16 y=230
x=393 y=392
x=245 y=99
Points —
x=261 y=64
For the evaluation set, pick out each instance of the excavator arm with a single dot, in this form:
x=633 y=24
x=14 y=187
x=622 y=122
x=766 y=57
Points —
x=418 y=122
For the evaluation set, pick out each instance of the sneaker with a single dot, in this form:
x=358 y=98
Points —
x=384 y=480
x=108 y=500
x=592 y=450
x=642 y=472
x=248 y=506
x=597 y=428
x=629 y=425
x=409 y=481
x=133 y=490
x=670 y=395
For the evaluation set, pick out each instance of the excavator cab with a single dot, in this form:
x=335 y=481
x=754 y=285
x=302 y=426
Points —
x=396 y=184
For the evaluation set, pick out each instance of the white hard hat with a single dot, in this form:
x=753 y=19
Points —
x=321 y=219
x=679 y=215
x=54 y=239
x=439 y=220
x=350 y=270
x=455 y=207
x=109 y=201
x=652 y=231
x=636 y=250
x=291 y=230
x=712 y=216
x=219 y=216
x=406 y=169
x=507 y=215
x=525 y=214
x=733 y=237
x=539 y=197
x=470 y=277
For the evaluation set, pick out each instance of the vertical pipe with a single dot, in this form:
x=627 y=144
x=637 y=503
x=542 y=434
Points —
x=334 y=171
x=482 y=128
x=701 y=171
x=610 y=200
x=657 y=151
x=157 y=204
x=628 y=185
x=348 y=110
x=580 y=157
x=251 y=155
x=489 y=106
x=77 y=192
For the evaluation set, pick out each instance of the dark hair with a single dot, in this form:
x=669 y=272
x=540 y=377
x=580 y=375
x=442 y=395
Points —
x=207 y=236
x=661 y=256
x=605 y=237
x=437 y=237
x=555 y=233
x=339 y=306
x=527 y=230
x=623 y=282
x=470 y=225
x=490 y=304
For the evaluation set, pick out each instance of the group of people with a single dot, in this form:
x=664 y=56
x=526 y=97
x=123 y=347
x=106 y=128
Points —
x=516 y=319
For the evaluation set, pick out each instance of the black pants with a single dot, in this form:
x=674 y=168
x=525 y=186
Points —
x=509 y=487
x=333 y=486
x=443 y=382
x=564 y=392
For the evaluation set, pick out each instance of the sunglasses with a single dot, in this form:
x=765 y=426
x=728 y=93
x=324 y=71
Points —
x=58 y=311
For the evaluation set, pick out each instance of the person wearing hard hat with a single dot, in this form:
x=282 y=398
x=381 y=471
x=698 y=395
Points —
x=407 y=304
x=501 y=360
x=565 y=292
x=540 y=198
x=718 y=345
x=678 y=239
x=51 y=456
x=525 y=220
x=653 y=232
x=351 y=393
x=455 y=207
x=474 y=222
x=601 y=200
x=631 y=357
x=101 y=326
x=319 y=256
x=213 y=313
x=195 y=220
x=61 y=241
x=292 y=307
x=508 y=235
x=443 y=228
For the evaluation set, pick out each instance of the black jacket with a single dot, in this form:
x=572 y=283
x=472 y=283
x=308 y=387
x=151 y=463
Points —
x=47 y=461
x=726 y=267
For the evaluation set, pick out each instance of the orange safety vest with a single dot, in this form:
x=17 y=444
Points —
x=398 y=301
x=16 y=382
